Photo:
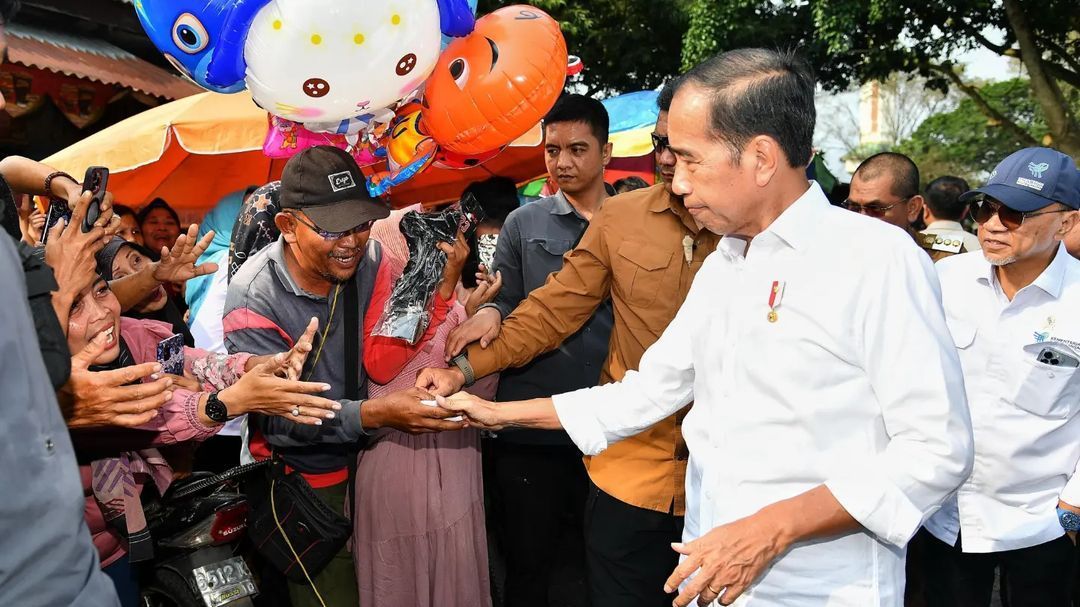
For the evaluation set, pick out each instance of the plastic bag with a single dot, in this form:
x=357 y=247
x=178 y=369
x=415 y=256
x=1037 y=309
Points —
x=408 y=310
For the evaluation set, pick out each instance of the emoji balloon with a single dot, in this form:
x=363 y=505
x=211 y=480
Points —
x=492 y=86
x=409 y=150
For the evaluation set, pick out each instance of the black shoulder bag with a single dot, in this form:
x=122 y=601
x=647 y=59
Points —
x=294 y=529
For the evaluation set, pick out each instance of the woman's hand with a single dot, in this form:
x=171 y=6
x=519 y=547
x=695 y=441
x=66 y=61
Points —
x=487 y=287
x=456 y=256
x=177 y=264
x=262 y=390
x=295 y=358
x=184 y=382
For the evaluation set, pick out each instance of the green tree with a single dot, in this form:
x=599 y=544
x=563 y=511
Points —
x=849 y=41
x=626 y=45
x=964 y=142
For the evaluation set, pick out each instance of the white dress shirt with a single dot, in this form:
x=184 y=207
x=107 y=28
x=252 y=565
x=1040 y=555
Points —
x=822 y=395
x=1023 y=412
x=942 y=226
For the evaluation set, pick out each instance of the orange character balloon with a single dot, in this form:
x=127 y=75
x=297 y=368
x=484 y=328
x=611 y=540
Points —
x=409 y=150
x=492 y=86
x=406 y=137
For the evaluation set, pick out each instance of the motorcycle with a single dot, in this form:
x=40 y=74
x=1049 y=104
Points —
x=197 y=527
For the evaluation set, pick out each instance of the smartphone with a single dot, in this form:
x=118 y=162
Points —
x=485 y=250
x=96 y=181
x=170 y=355
x=58 y=209
x=1057 y=357
x=472 y=215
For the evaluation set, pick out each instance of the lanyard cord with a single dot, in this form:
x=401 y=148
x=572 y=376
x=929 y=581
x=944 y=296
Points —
x=325 y=332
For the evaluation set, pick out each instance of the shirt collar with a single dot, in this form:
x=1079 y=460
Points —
x=561 y=206
x=276 y=252
x=945 y=224
x=796 y=225
x=1052 y=279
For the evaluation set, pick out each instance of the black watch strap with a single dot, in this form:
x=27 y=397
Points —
x=215 y=409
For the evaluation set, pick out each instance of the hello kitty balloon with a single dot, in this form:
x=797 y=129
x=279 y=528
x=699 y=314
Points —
x=322 y=62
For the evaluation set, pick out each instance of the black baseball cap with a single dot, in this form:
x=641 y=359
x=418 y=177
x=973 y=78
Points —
x=326 y=184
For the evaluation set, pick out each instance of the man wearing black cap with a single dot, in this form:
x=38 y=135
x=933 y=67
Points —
x=323 y=265
x=1012 y=312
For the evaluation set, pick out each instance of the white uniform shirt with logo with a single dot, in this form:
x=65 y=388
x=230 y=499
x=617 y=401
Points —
x=825 y=394
x=1023 y=412
x=954 y=228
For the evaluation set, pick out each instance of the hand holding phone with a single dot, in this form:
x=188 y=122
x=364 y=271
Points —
x=95 y=181
x=58 y=210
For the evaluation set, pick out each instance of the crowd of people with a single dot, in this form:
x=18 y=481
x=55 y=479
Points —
x=781 y=398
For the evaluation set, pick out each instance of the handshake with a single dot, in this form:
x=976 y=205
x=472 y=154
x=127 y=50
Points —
x=447 y=398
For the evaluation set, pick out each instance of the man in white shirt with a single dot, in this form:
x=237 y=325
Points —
x=943 y=213
x=1014 y=314
x=813 y=456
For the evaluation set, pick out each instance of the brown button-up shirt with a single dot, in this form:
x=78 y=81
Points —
x=634 y=253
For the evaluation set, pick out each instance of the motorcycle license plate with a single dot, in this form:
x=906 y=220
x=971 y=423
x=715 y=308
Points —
x=224 y=582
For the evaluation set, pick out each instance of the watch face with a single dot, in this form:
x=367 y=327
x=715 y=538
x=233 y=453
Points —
x=216 y=410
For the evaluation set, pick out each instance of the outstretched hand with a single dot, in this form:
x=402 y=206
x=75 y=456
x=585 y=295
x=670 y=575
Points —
x=177 y=264
x=479 y=412
x=92 y=399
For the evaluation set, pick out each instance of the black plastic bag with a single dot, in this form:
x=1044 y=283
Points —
x=408 y=310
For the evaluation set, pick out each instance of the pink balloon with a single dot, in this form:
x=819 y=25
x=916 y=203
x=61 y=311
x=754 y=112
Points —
x=285 y=138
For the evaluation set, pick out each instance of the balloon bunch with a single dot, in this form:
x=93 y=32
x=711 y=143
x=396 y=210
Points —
x=416 y=83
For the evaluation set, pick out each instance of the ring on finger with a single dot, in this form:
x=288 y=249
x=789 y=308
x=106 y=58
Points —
x=713 y=590
x=296 y=412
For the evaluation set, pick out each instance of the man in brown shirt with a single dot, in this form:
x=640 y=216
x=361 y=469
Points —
x=641 y=250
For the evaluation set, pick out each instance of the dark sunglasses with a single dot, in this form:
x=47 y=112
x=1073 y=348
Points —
x=660 y=143
x=364 y=227
x=982 y=210
x=872 y=210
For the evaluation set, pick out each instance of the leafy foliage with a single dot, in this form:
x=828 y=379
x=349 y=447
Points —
x=626 y=45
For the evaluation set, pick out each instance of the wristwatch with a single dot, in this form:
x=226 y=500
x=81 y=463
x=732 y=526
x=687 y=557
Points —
x=461 y=361
x=215 y=409
x=1070 y=521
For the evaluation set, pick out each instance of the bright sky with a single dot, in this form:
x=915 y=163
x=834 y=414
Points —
x=981 y=64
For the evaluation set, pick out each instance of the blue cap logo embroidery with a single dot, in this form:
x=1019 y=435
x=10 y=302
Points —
x=1037 y=170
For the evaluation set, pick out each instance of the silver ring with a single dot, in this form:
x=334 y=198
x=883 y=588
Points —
x=296 y=412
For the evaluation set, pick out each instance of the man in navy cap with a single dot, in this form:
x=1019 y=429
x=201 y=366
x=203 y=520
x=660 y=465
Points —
x=1012 y=310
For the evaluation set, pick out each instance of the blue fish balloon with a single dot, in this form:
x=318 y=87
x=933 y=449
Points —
x=204 y=39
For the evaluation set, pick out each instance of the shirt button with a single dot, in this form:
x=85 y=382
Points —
x=49 y=445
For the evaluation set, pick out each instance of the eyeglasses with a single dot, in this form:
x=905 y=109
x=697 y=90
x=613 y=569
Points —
x=660 y=143
x=364 y=227
x=872 y=210
x=983 y=210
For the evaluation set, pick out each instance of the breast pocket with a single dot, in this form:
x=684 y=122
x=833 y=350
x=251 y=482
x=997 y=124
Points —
x=645 y=267
x=1051 y=391
x=542 y=257
x=963 y=334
